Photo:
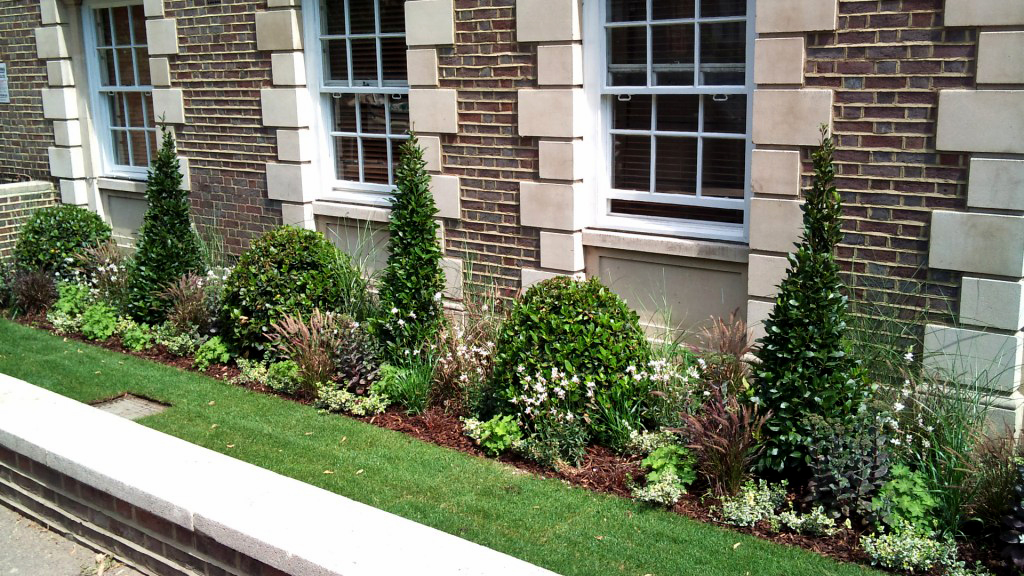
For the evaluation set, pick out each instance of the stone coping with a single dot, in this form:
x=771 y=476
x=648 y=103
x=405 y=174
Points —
x=30 y=187
x=289 y=525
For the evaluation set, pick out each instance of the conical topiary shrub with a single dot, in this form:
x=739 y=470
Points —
x=805 y=363
x=410 y=289
x=168 y=246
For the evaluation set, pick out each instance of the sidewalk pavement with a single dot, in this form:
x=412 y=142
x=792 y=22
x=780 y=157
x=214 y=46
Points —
x=28 y=549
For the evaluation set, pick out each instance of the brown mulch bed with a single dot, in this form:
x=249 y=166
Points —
x=601 y=470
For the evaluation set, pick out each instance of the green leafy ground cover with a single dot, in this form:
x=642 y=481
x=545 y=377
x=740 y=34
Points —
x=565 y=529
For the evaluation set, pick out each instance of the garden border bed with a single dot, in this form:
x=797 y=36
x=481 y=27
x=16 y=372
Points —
x=171 y=507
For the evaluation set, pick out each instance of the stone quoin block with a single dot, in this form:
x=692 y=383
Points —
x=791 y=117
x=429 y=22
x=979 y=243
x=779 y=60
x=775 y=172
x=981 y=121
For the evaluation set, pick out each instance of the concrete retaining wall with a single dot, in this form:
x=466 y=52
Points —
x=169 y=507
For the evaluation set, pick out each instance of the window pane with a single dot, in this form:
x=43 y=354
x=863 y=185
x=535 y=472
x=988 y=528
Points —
x=631 y=207
x=632 y=114
x=675 y=169
x=344 y=113
x=393 y=61
x=142 y=61
x=673 y=55
x=125 y=67
x=336 y=54
x=671 y=9
x=715 y=8
x=678 y=112
x=371 y=113
x=116 y=107
x=136 y=114
x=138 y=143
x=725 y=113
x=392 y=16
x=627 y=56
x=108 y=75
x=627 y=10
x=723 y=53
x=724 y=168
x=631 y=162
x=120 y=140
x=396 y=156
x=103 y=33
x=148 y=101
x=399 y=113
x=139 y=24
x=151 y=136
x=346 y=151
x=364 y=62
x=122 y=28
x=360 y=16
x=332 y=17
x=375 y=160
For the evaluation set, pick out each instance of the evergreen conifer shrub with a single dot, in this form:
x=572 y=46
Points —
x=805 y=362
x=410 y=289
x=168 y=246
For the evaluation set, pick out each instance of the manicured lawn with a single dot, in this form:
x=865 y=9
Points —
x=565 y=529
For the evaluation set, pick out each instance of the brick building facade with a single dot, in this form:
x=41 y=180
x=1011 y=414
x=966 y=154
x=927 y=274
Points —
x=660 y=146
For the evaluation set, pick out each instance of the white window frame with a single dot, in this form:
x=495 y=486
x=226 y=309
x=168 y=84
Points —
x=321 y=93
x=97 y=93
x=600 y=97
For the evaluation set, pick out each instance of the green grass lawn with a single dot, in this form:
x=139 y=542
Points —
x=563 y=528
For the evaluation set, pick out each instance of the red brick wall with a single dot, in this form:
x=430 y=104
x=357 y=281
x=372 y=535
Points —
x=24 y=134
x=886 y=63
x=487 y=66
x=221 y=74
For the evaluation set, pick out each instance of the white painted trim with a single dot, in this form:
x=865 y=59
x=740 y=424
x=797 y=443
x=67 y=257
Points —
x=649 y=244
x=600 y=139
x=100 y=113
x=328 y=186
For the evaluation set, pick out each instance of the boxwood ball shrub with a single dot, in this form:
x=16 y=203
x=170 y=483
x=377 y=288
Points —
x=586 y=332
x=286 y=271
x=53 y=237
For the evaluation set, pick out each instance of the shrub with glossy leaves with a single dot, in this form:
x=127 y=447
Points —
x=168 y=246
x=805 y=361
x=286 y=271
x=410 y=289
x=585 y=331
x=54 y=237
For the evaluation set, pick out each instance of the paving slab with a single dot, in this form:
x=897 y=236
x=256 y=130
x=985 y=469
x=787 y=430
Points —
x=29 y=549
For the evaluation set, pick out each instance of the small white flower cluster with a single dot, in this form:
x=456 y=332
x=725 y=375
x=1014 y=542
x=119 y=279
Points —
x=755 y=502
x=666 y=491
x=551 y=395
x=918 y=431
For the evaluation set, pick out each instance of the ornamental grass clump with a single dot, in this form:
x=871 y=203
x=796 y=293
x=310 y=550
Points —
x=574 y=342
x=286 y=271
x=54 y=237
x=168 y=246
x=411 y=286
x=805 y=361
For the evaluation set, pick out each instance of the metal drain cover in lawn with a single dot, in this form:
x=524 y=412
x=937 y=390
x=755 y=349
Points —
x=131 y=407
